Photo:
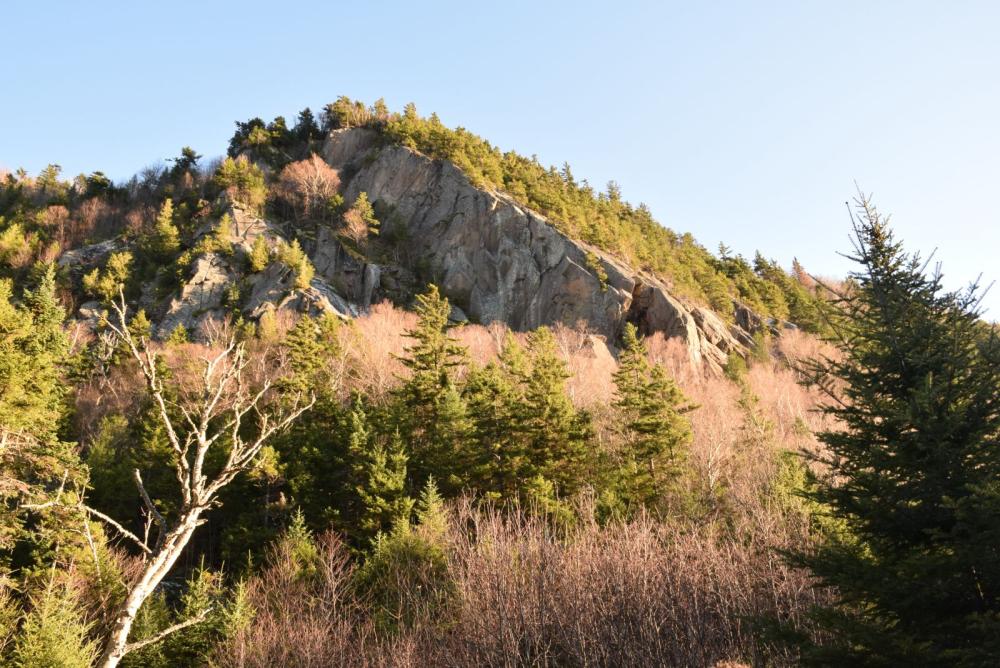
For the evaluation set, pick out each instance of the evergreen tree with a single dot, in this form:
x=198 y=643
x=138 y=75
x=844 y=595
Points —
x=381 y=479
x=33 y=347
x=106 y=283
x=164 y=242
x=312 y=344
x=406 y=574
x=35 y=465
x=306 y=127
x=652 y=422
x=499 y=462
x=293 y=257
x=54 y=634
x=557 y=435
x=260 y=254
x=429 y=410
x=912 y=476
x=187 y=162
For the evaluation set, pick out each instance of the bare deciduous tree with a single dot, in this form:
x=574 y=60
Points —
x=308 y=185
x=215 y=415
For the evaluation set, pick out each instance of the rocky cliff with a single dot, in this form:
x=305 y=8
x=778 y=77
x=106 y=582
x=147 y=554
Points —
x=498 y=260
x=493 y=258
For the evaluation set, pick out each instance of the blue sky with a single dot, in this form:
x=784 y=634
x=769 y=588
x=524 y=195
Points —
x=740 y=122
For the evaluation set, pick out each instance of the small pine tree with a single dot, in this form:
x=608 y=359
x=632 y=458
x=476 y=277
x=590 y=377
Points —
x=164 y=241
x=306 y=356
x=557 y=434
x=108 y=282
x=260 y=255
x=406 y=575
x=222 y=236
x=306 y=127
x=243 y=179
x=178 y=336
x=500 y=458
x=381 y=476
x=293 y=257
x=31 y=353
x=54 y=633
x=140 y=326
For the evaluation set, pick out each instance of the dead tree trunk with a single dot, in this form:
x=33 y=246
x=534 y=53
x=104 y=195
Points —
x=221 y=408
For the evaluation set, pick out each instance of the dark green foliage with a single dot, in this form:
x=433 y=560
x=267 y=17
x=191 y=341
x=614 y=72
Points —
x=313 y=347
x=655 y=431
x=186 y=163
x=500 y=463
x=556 y=434
x=380 y=472
x=406 y=575
x=429 y=411
x=912 y=475
x=306 y=128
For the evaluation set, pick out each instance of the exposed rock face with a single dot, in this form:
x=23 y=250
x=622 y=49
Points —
x=274 y=288
x=80 y=260
x=354 y=279
x=493 y=258
x=200 y=298
x=498 y=260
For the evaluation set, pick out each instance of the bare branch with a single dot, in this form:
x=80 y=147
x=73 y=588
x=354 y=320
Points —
x=122 y=530
x=197 y=619
x=151 y=508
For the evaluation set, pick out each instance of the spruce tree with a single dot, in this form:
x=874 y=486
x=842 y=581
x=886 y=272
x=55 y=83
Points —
x=164 y=242
x=557 y=434
x=381 y=479
x=499 y=462
x=653 y=425
x=54 y=633
x=912 y=474
x=430 y=412
x=311 y=343
x=36 y=466
x=32 y=349
x=260 y=255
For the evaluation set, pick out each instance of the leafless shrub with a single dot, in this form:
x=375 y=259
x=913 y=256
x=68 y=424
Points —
x=355 y=227
x=308 y=185
x=641 y=593
x=374 y=344
x=309 y=619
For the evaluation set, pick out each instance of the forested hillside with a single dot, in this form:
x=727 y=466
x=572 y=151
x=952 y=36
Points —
x=242 y=425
